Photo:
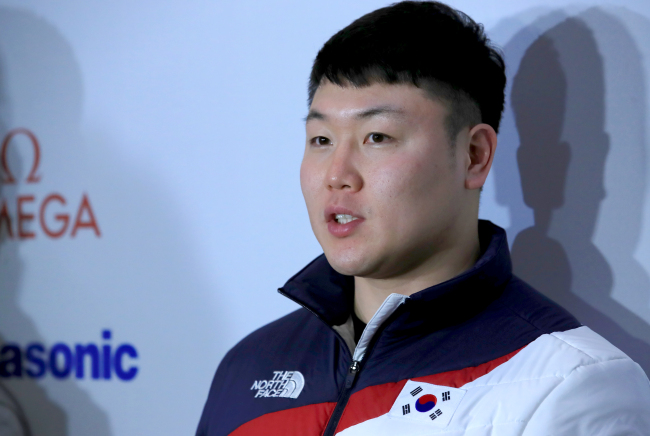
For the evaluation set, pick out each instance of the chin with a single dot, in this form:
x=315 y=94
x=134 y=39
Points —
x=349 y=264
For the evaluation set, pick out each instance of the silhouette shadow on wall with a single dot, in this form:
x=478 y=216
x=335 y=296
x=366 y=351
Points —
x=30 y=47
x=558 y=101
x=13 y=420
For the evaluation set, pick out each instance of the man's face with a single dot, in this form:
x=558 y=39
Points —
x=383 y=187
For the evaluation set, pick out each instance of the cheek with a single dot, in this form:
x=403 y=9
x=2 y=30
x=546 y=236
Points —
x=405 y=179
x=309 y=183
x=411 y=192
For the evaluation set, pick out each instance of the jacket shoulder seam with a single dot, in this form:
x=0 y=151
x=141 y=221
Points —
x=595 y=359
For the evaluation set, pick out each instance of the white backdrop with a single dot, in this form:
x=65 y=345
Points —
x=179 y=123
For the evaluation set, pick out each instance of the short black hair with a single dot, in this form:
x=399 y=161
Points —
x=427 y=44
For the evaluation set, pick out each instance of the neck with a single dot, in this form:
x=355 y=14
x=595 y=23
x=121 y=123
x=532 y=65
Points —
x=446 y=264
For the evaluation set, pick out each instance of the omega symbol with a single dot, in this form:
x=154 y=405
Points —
x=9 y=177
x=31 y=211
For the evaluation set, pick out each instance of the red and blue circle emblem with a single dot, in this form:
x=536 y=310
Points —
x=426 y=403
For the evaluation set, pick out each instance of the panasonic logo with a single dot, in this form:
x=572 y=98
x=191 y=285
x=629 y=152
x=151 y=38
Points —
x=92 y=361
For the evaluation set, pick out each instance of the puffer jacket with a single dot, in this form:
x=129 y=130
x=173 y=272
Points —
x=480 y=354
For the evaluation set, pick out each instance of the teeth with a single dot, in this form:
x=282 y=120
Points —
x=342 y=218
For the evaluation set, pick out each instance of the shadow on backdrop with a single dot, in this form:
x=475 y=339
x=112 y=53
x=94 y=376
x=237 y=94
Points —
x=28 y=47
x=558 y=101
x=13 y=420
x=12 y=417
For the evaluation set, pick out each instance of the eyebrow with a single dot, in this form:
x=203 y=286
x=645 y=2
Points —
x=364 y=114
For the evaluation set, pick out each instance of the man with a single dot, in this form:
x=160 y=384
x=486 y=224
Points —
x=412 y=322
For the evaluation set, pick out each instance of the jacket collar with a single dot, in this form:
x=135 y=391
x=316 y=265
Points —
x=330 y=295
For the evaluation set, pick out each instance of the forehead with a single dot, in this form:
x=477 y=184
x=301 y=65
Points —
x=403 y=102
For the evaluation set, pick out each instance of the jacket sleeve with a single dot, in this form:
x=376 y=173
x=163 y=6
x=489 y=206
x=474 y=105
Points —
x=610 y=398
x=210 y=409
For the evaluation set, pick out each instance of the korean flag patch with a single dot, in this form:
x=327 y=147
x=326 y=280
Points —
x=424 y=402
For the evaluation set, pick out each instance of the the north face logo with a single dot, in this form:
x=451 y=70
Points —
x=284 y=384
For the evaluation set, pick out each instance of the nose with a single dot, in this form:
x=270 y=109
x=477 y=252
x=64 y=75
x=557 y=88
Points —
x=343 y=172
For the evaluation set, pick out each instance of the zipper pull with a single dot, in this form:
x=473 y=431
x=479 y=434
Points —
x=352 y=373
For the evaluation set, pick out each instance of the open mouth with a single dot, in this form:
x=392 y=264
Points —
x=342 y=218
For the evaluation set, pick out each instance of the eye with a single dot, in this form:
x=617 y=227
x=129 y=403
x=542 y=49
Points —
x=376 y=138
x=320 y=140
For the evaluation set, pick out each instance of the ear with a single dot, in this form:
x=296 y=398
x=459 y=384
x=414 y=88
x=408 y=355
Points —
x=480 y=153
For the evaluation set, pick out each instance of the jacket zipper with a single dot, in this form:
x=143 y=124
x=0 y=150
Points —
x=346 y=391
x=353 y=373
x=344 y=396
x=353 y=370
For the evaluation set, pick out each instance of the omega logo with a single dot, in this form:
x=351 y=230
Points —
x=53 y=217
x=9 y=177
